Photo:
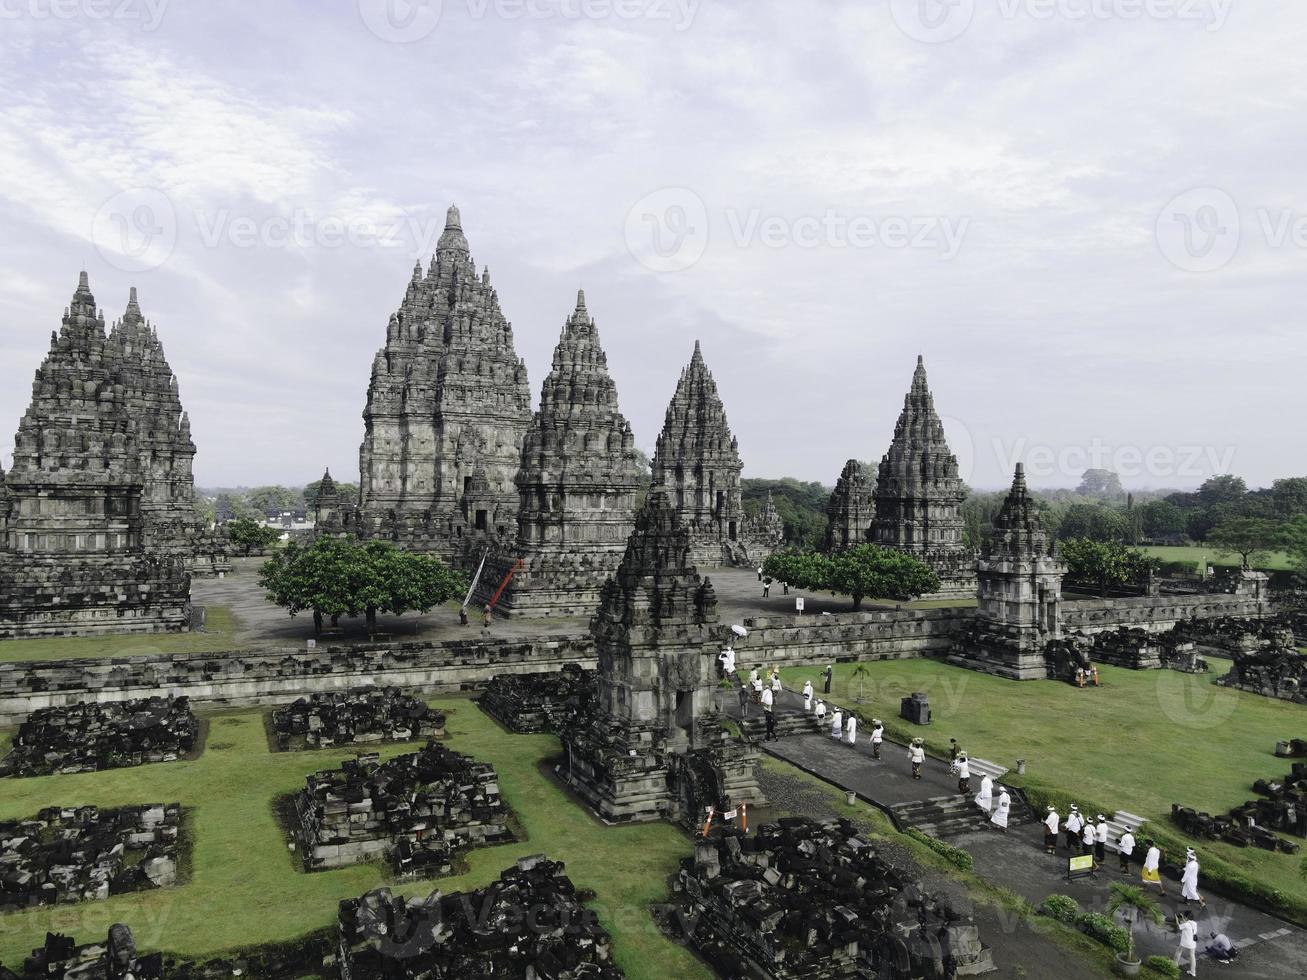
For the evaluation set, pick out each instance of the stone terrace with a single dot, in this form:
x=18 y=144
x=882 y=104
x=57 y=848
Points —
x=359 y=715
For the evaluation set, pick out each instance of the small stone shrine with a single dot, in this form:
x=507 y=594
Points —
x=530 y=923
x=655 y=743
x=84 y=853
x=112 y=959
x=851 y=508
x=359 y=715
x=90 y=736
x=419 y=811
x=815 y=901
x=552 y=701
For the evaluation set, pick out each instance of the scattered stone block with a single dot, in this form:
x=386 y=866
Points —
x=361 y=714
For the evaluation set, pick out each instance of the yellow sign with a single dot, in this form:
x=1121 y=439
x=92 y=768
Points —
x=1084 y=862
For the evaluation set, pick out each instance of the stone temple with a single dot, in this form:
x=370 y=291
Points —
x=655 y=747
x=918 y=496
x=578 y=481
x=851 y=508
x=698 y=461
x=448 y=406
x=97 y=513
x=1020 y=594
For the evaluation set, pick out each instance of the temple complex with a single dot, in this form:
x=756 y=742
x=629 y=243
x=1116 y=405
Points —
x=698 y=461
x=1020 y=594
x=919 y=495
x=448 y=406
x=764 y=532
x=96 y=511
x=578 y=481
x=851 y=508
x=655 y=747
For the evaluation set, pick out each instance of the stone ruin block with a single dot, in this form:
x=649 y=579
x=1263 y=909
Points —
x=84 y=853
x=1267 y=662
x=552 y=701
x=1295 y=748
x=111 y=959
x=419 y=811
x=1249 y=825
x=813 y=901
x=90 y=736
x=529 y=923
x=1135 y=649
x=361 y=714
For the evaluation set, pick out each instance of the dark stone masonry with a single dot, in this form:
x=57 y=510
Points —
x=546 y=702
x=88 y=737
x=359 y=715
x=418 y=811
x=81 y=854
x=1283 y=808
x=114 y=958
x=803 y=900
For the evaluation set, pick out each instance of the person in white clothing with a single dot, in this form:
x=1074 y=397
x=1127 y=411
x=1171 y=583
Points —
x=917 y=756
x=851 y=729
x=1074 y=824
x=768 y=700
x=820 y=711
x=1189 y=879
x=877 y=736
x=776 y=681
x=1152 y=872
x=1188 y=942
x=1087 y=838
x=964 y=773
x=1001 y=809
x=1125 y=847
x=727 y=657
x=1100 y=841
x=807 y=695
x=1051 y=823
x=837 y=724
x=985 y=798
x=769 y=715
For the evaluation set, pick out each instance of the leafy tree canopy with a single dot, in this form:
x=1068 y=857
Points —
x=1104 y=564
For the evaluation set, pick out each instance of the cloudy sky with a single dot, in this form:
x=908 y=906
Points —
x=1088 y=215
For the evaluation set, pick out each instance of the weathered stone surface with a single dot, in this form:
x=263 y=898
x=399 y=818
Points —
x=97 y=523
x=543 y=702
x=88 y=737
x=448 y=406
x=369 y=713
x=419 y=811
x=578 y=481
x=84 y=853
x=809 y=901
x=764 y=532
x=697 y=460
x=115 y=959
x=529 y=923
x=919 y=494
x=1020 y=588
x=656 y=641
x=851 y=508
x=1267 y=662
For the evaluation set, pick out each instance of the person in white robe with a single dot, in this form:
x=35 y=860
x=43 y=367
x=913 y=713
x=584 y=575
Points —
x=985 y=798
x=1087 y=837
x=1051 y=823
x=1188 y=947
x=1125 y=847
x=776 y=682
x=1074 y=824
x=1189 y=880
x=837 y=724
x=1152 y=871
x=820 y=711
x=964 y=773
x=851 y=729
x=1002 y=809
x=807 y=695
x=877 y=736
x=727 y=657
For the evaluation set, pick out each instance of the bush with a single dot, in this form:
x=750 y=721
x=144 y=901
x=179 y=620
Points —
x=1161 y=965
x=1103 y=929
x=955 y=855
x=1061 y=907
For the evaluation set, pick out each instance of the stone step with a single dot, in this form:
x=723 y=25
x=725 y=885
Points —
x=949 y=816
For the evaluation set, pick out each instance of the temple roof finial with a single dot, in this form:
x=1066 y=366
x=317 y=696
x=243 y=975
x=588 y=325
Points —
x=580 y=299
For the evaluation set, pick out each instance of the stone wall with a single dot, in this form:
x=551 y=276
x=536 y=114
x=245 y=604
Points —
x=890 y=634
x=1157 y=613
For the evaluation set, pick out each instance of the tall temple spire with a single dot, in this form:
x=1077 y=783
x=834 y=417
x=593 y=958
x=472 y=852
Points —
x=452 y=238
x=133 y=313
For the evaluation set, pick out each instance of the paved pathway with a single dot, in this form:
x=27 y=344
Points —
x=1269 y=947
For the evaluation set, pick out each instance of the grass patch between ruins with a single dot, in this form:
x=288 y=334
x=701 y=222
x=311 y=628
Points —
x=1276 y=561
x=245 y=888
x=1144 y=740
x=219 y=635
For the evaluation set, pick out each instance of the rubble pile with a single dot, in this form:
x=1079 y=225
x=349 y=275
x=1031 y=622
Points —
x=81 y=854
x=529 y=923
x=361 y=714
x=90 y=736
x=1274 y=669
x=113 y=959
x=546 y=702
x=419 y=810
x=1135 y=649
x=1255 y=822
x=1234 y=636
x=817 y=901
x=1293 y=748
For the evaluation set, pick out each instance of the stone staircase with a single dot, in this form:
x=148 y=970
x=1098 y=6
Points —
x=949 y=816
x=787 y=723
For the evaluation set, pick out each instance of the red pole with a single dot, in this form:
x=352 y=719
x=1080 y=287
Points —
x=504 y=584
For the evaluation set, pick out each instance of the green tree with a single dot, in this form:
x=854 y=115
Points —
x=1137 y=905
x=1161 y=518
x=249 y=535
x=1223 y=489
x=801 y=506
x=1100 y=484
x=870 y=570
x=801 y=568
x=274 y=500
x=1094 y=522
x=1104 y=564
x=1290 y=497
x=1251 y=538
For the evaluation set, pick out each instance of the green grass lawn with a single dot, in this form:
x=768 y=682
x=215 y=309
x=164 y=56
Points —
x=218 y=635
x=246 y=888
x=1144 y=740
x=1275 y=562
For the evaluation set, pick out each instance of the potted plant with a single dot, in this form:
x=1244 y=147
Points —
x=1134 y=903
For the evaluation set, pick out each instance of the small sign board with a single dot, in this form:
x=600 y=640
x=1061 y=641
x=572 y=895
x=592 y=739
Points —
x=798 y=604
x=1079 y=866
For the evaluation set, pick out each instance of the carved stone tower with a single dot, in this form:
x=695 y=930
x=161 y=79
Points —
x=698 y=461
x=850 y=511
x=919 y=495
